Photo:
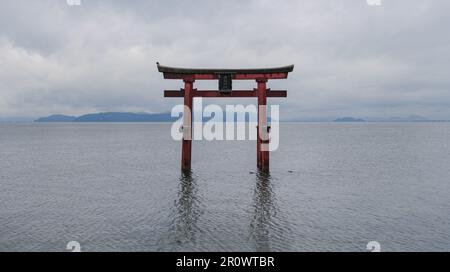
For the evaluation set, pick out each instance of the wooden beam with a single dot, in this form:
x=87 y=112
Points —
x=179 y=70
x=187 y=126
x=216 y=76
x=262 y=132
x=234 y=93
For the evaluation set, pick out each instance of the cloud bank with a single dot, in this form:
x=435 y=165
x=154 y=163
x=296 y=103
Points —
x=351 y=58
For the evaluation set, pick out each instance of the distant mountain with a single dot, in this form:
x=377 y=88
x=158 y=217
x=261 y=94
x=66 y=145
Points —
x=125 y=117
x=165 y=117
x=57 y=118
x=349 y=119
x=110 y=117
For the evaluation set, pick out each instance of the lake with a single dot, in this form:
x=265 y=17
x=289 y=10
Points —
x=118 y=187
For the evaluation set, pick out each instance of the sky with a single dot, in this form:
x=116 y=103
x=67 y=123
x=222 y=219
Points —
x=351 y=58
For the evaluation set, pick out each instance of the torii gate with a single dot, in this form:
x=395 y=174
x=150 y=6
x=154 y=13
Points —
x=225 y=77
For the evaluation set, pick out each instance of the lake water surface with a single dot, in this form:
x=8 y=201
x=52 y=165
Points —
x=118 y=187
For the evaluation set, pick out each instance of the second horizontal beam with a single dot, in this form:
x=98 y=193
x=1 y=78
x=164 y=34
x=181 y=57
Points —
x=234 y=93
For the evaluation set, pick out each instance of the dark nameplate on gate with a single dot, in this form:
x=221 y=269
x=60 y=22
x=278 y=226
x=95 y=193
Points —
x=225 y=83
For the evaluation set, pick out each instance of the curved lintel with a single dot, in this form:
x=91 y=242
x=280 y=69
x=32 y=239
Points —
x=206 y=71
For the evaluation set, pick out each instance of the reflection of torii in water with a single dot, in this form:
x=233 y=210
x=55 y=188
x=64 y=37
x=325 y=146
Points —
x=263 y=206
x=186 y=211
x=263 y=227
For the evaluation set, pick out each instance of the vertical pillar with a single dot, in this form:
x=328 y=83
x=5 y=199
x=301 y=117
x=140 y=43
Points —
x=187 y=125
x=262 y=133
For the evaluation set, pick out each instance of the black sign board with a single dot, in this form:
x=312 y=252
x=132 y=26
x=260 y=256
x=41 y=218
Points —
x=225 y=83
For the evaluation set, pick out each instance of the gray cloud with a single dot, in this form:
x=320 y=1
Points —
x=351 y=58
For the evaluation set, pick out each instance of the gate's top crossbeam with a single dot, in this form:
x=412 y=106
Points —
x=211 y=74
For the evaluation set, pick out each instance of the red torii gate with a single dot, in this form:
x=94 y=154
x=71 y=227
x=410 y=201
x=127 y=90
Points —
x=225 y=77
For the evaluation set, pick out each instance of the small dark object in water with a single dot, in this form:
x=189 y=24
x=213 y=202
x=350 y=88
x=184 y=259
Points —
x=290 y=171
x=251 y=172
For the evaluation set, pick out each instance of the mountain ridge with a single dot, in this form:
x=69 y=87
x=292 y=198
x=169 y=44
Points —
x=166 y=117
x=124 y=117
x=109 y=117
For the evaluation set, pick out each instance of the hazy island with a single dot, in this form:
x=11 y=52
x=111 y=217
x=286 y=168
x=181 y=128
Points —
x=110 y=117
x=349 y=119
x=165 y=117
x=124 y=117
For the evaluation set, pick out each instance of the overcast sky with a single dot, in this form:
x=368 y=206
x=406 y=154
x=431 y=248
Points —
x=351 y=59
